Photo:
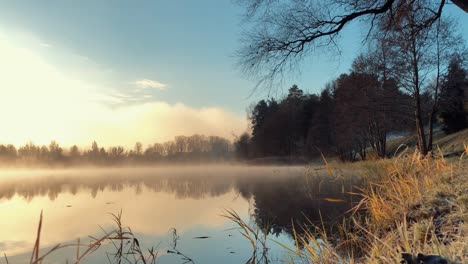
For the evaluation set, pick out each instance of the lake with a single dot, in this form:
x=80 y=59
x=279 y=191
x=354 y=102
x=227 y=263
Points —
x=77 y=203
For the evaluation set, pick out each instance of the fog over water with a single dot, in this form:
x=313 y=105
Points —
x=77 y=202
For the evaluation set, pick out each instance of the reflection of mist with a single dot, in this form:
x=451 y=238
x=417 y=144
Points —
x=280 y=195
x=194 y=182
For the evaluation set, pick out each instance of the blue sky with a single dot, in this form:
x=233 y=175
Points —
x=185 y=47
x=186 y=44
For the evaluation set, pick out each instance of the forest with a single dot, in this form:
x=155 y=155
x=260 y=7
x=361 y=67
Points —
x=354 y=115
x=195 y=148
x=411 y=70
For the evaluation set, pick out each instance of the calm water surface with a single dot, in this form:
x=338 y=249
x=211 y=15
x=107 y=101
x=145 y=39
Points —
x=77 y=203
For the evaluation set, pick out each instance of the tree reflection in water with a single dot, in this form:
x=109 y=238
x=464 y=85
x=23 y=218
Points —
x=280 y=195
x=304 y=200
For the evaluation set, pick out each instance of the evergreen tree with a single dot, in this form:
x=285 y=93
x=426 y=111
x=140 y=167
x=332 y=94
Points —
x=452 y=98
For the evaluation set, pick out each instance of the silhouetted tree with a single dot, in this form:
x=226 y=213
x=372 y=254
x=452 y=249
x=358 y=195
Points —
x=242 y=146
x=353 y=95
x=321 y=134
x=8 y=154
x=262 y=117
x=154 y=152
x=116 y=154
x=220 y=148
x=93 y=154
x=55 y=151
x=29 y=153
x=138 y=149
x=384 y=105
x=453 y=96
x=74 y=154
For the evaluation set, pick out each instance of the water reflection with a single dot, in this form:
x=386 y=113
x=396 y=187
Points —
x=156 y=199
x=302 y=200
x=185 y=182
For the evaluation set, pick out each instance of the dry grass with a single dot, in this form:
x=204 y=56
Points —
x=126 y=245
x=256 y=237
x=410 y=204
x=408 y=179
x=419 y=206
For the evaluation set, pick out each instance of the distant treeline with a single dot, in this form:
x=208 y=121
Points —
x=195 y=148
x=352 y=116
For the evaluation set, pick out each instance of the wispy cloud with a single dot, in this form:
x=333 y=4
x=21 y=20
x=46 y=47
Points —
x=147 y=83
x=83 y=58
x=45 y=45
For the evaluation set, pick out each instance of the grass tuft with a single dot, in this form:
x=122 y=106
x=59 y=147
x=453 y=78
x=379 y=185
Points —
x=411 y=204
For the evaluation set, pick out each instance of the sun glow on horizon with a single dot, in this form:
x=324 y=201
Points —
x=40 y=103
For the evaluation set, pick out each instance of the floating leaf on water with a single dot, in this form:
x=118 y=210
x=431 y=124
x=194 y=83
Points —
x=334 y=200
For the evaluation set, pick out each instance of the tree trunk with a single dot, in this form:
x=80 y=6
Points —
x=420 y=129
x=431 y=129
x=418 y=118
x=383 y=145
x=436 y=94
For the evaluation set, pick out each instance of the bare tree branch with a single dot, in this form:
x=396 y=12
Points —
x=283 y=33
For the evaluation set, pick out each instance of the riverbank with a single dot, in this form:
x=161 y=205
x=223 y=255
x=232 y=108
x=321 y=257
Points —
x=409 y=205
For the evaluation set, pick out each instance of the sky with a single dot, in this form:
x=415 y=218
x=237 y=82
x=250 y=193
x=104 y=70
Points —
x=119 y=71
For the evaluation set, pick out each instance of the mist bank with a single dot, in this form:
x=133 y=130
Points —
x=183 y=149
x=189 y=150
